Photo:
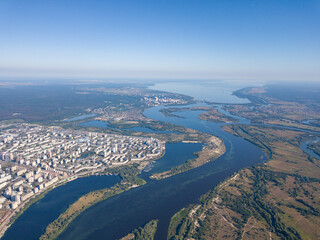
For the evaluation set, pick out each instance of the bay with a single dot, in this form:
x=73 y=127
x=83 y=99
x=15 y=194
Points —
x=213 y=91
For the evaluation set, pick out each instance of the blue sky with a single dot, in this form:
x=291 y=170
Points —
x=258 y=40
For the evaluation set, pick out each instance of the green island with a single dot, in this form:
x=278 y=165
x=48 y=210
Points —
x=213 y=149
x=174 y=133
x=315 y=146
x=210 y=114
x=147 y=231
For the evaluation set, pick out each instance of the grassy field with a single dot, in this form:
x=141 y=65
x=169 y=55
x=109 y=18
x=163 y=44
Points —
x=210 y=114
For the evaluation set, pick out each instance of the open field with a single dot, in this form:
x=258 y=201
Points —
x=283 y=147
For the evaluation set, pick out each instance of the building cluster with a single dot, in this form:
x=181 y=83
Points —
x=132 y=110
x=162 y=100
x=34 y=158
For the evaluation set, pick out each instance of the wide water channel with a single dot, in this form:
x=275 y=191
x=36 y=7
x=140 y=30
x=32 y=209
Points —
x=117 y=216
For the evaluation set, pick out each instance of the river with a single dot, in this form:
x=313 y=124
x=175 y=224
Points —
x=117 y=216
x=304 y=147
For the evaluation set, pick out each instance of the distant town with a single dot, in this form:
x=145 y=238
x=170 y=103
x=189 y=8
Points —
x=128 y=111
x=35 y=158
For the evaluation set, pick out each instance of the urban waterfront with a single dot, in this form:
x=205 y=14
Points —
x=32 y=223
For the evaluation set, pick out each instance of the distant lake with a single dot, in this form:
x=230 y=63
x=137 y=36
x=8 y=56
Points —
x=213 y=91
x=79 y=117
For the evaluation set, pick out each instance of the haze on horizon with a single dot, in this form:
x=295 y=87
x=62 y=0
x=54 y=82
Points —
x=251 y=40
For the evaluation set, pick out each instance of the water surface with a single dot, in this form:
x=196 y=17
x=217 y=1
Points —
x=79 y=118
x=176 y=154
x=213 y=91
x=304 y=147
x=32 y=223
x=119 y=215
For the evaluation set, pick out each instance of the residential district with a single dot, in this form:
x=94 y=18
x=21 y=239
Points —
x=34 y=158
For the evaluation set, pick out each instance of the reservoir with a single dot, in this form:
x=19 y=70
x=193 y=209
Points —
x=213 y=91
x=79 y=118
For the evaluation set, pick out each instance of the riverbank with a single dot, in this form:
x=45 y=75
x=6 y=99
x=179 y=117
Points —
x=277 y=199
x=198 y=178
x=147 y=231
x=213 y=149
x=129 y=180
x=195 y=137
x=15 y=215
x=10 y=218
